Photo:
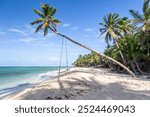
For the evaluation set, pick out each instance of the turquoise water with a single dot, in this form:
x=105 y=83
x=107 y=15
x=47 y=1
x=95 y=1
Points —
x=15 y=76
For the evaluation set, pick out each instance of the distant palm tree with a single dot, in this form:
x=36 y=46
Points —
x=144 y=18
x=47 y=21
x=111 y=29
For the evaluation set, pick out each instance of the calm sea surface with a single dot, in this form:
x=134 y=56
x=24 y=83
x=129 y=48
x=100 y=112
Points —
x=12 y=76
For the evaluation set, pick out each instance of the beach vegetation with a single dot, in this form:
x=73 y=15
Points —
x=131 y=41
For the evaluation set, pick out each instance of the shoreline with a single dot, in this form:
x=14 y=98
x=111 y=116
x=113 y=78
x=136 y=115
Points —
x=30 y=82
x=86 y=83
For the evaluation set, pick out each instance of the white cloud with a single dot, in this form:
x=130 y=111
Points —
x=2 y=33
x=38 y=41
x=28 y=40
x=89 y=30
x=29 y=29
x=66 y=25
x=75 y=28
x=53 y=59
x=17 y=31
x=51 y=35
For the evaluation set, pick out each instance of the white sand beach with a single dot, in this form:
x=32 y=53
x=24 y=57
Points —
x=87 y=84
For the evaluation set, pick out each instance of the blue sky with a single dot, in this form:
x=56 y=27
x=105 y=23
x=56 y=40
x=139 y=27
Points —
x=20 y=46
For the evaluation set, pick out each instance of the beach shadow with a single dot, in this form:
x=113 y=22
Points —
x=83 y=89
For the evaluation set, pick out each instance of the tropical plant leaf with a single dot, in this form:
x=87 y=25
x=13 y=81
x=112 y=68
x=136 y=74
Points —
x=39 y=20
x=136 y=15
x=39 y=13
x=145 y=6
x=38 y=28
x=52 y=29
x=56 y=21
x=45 y=31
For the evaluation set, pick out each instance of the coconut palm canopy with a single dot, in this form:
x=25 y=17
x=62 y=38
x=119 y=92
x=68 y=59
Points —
x=142 y=18
x=113 y=26
x=110 y=27
x=46 y=20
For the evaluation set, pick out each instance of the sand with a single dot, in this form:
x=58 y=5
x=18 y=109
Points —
x=87 y=84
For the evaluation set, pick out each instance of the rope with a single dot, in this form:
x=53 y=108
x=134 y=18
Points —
x=62 y=46
x=66 y=55
x=61 y=54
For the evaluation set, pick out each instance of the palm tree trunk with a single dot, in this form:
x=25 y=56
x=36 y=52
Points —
x=138 y=67
x=115 y=37
x=132 y=65
x=124 y=61
x=107 y=57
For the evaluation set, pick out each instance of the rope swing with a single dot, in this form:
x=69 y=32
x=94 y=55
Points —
x=66 y=54
x=64 y=41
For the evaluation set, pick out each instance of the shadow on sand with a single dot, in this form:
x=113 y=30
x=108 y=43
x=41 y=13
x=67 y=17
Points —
x=84 y=89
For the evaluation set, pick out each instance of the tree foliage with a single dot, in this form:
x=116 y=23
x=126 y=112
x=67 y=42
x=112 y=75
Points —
x=132 y=37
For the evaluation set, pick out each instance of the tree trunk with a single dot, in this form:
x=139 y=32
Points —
x=115 y=37
x=124 y=61
x=107 y=57
x=132 y=65
x=138 y=67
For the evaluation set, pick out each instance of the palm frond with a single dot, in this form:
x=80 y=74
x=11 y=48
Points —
x=52 y=11
x=39 y=13
x=136 y=15
x=38 y=28
x=45 y=31
x=39 y=20
x=147 y=14
x=56 y=21
x=45 y=8
x=54 y=26
x=107 y=38
x=145 y=6
x=105 y=19
x=52 y=29
x=102 y=32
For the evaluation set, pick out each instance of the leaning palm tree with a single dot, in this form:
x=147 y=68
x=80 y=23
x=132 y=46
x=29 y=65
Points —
x=111 y=29
x=143 y=19
x=47 y=21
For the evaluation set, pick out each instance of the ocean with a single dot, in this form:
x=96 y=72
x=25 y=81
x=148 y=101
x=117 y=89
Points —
x=16 y=78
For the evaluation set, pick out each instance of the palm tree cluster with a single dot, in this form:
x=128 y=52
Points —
x=48 y=22
x=89 y=60
x=131 y=40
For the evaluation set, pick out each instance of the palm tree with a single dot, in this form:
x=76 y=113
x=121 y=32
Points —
x=47 y=21
x=132 y=50
x=144 y=18
x=125 y=26
x=111 y=29
x=144 y=21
